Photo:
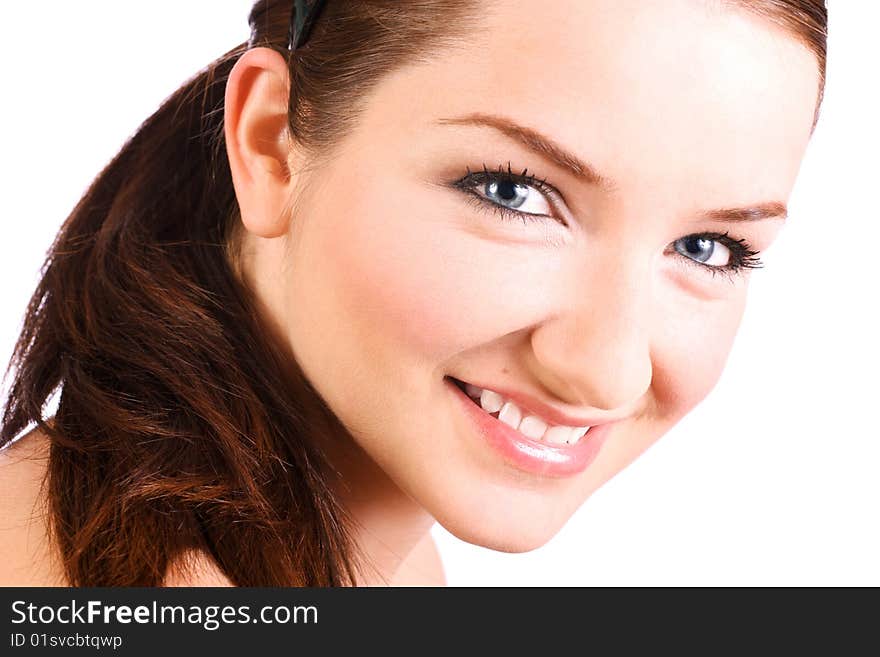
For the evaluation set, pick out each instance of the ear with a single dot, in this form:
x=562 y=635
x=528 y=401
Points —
x=257 y=145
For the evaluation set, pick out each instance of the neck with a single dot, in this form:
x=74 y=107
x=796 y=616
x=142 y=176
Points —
x=387 y=523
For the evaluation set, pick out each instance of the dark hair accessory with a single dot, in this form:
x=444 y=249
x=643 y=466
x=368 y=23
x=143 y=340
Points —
x=301 y=20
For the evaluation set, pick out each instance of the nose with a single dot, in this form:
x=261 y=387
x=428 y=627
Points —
x=595 y=351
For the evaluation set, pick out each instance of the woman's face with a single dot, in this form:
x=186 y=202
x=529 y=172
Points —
x=601 y=301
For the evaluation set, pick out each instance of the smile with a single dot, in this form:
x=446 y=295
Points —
x=528 y=441
x=531 y=426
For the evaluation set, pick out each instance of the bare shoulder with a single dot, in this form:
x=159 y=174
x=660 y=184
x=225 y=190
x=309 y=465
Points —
x=423 y=566
x=28 y=559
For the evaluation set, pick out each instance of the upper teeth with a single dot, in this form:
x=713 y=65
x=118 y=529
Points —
x=530 y=426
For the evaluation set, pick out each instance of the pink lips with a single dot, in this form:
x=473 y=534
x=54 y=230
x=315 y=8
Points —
x=533 y=455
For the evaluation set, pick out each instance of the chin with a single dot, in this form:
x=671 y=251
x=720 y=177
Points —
x=512 y=540
x=512 y=532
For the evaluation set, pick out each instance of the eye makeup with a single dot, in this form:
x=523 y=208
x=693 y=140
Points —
x=742 y=256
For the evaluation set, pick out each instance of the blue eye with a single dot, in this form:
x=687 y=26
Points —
x=525 y=197
x=704 y=250
x=516 y=196
x=717 y=253
x=511 y=195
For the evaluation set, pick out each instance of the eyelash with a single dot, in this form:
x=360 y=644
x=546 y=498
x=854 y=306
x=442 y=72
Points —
x=473 y=178
x=742 y=256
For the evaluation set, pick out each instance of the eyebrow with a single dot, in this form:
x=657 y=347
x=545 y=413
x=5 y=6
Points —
x=550 y=150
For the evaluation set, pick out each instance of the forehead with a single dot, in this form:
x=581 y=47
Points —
x=645 y=90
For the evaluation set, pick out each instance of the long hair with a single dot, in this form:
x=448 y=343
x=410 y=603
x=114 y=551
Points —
x=183 y=423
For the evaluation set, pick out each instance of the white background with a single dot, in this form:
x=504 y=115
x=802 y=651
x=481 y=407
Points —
x=772 y=480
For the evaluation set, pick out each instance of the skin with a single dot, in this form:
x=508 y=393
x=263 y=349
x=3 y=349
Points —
x=30 y=557
x=384 y=280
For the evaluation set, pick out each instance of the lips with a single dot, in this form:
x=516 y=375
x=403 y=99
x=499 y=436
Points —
x=531 y=424
x=527 y=454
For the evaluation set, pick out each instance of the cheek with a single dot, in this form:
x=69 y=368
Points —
x=690 y=343
x=416 y=283
x=691 y=350
x=392 y=293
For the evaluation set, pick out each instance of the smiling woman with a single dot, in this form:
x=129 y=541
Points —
x=398 y=262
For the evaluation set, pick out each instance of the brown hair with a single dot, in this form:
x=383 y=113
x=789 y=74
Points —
x=182 y=423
